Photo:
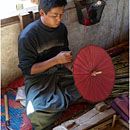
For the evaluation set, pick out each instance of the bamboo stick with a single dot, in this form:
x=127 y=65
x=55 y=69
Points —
x=123 y=89
x=116 y=58
x=118 y=94
x=121 y=86
x=124 y=123
x=119 y=62
x=125 y=75
x=118 y=46
x=113 y=121
x=122 y=71
x=121 y=81
x=120 y=66
x=124 y=85
x=115 y=91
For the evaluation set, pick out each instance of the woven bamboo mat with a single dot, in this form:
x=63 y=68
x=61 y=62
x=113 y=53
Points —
x=17 y=115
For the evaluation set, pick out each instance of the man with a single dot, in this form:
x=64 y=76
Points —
x=44 y=57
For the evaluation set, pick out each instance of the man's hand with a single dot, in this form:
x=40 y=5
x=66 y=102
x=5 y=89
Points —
x=61 y=58
x=64 y=57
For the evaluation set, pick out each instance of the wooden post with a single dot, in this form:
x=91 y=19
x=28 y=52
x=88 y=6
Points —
x=113 y=121
x=36 y=15
x=25 y=19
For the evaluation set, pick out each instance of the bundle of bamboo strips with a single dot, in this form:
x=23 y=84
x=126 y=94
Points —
x=121 y=85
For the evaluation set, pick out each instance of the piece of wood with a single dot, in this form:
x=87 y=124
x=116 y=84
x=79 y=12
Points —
x=69 y=124
x=119 y=76
x=60 y=127
x=102 y=126
x=116 y=50
x=118 y=46
x=6 y=111
x=36 y=15
x=120 y=66
x=119 y=111
x=121 y=81
x=113 y=121
x=25 y=19
x=100 y=117
x=124 y=123
x=122 y=105
x=101 y=106
x=9 y=21
x=88 y=120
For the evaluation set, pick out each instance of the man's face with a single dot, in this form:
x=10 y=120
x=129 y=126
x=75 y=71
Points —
x=53 y=17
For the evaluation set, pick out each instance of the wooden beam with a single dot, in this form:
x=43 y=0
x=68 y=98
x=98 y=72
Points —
x=9 y=21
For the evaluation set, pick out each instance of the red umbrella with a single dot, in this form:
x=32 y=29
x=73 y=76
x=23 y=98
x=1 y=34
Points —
x=93 y=73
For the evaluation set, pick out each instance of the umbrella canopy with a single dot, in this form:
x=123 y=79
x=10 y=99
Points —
x=93 y=73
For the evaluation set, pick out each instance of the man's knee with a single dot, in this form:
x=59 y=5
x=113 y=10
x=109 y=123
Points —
x=43 y=120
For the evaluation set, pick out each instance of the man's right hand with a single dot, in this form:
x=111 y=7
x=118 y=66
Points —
x=61 y=58
x=64 y=57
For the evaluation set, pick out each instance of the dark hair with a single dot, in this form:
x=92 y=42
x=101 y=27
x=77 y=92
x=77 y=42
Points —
x=47 y=5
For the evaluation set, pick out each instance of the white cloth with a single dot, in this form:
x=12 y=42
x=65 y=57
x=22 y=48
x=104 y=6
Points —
x=20 y=95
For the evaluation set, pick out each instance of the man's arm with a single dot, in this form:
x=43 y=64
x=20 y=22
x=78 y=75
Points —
x=61 y=58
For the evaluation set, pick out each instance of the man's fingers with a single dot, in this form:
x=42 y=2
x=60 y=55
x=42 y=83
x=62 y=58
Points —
x=69 y=60
x=69 y=53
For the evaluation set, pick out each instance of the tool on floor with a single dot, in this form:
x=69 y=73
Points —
x=7 y=122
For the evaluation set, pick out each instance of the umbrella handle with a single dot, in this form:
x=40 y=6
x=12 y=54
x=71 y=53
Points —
x=94 y=73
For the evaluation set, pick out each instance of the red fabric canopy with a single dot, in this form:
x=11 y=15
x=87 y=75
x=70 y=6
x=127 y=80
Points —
x=93 y=73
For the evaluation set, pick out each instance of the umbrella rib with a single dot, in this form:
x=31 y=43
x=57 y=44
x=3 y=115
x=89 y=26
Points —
x=106 y=78
x=102 y=60
x=81 y=81
x=93 y=63
x=86 y=84
x=81 y=67
x=89 y=90
x=102 y=64
x=107 y=67
x=96 y=84
x=86 y=52
x=89 y=50
x=86 y=58
x=104 y=72
x=104 y=86
x=86 y=66
x=93 y=89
